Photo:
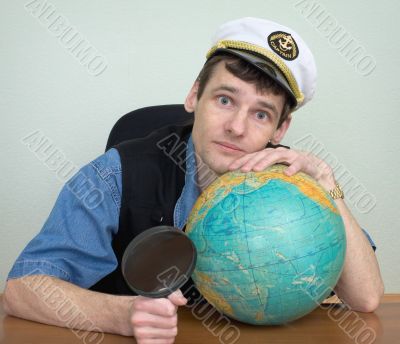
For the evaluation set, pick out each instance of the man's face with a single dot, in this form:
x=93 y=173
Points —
x=232 y=119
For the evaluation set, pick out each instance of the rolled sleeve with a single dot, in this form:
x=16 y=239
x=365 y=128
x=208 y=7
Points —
x=372 y=243
x=75 y=243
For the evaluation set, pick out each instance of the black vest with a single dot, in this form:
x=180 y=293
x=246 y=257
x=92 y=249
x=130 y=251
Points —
x=153 y=176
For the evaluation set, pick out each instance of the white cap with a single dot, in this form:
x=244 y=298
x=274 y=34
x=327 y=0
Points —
x=273 y=48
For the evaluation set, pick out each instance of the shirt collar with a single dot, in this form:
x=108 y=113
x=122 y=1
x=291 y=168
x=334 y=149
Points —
x=190 y=191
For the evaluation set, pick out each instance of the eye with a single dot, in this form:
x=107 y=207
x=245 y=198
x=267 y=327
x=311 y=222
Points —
x=224 y=100
x=262 y=115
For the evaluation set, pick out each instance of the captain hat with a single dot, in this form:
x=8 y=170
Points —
x=275 y=49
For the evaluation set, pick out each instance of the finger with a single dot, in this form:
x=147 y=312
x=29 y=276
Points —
x=306 y=165
x=177 y=298
x=271 y=158
x=155 y=341
x=258 y=163
x=155 y=333
x=240 y=162
x=295 y=167
x=161 y=306
x=150 y=320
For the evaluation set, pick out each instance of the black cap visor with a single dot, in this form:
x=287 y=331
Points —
x=264 y=65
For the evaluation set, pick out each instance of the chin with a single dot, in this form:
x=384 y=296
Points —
x=217 y=163
x=211 y=171
x=219 y=168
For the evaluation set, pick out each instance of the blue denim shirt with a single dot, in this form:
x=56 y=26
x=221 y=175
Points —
x=75 y=241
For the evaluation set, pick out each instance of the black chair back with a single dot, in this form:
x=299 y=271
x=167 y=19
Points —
x=141 y=122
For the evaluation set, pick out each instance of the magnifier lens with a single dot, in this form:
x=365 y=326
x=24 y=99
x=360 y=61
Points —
x=158 y=261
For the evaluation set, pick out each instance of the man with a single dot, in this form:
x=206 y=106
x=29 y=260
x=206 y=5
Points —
x=257 y=73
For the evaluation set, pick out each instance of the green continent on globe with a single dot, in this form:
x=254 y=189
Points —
x=270 y=247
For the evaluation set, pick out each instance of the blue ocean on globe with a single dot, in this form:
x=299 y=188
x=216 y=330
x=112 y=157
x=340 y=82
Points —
x=270 y=247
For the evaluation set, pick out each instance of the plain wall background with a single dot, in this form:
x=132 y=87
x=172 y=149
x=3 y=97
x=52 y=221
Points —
x=154 y=50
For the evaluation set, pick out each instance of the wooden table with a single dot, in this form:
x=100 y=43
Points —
x=331 y=324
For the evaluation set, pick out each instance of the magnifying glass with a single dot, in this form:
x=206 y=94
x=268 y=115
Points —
x=158 y=261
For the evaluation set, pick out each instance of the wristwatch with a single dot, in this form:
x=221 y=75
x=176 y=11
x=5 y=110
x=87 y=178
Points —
x=336 y=192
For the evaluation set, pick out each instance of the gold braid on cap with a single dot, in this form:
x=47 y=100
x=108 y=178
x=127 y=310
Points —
x=268 y=54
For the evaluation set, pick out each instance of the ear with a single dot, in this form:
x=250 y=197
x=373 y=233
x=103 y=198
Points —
x=191 y=99
x=280 y=133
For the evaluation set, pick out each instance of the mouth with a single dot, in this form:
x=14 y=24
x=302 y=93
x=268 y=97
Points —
x=228 y=147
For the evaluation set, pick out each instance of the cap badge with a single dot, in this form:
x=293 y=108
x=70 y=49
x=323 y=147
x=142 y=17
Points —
x=284 y=45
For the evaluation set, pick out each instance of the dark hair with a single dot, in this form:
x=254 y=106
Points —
x=246 y=72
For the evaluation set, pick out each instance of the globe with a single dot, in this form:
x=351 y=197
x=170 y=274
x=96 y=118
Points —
x=270 y=247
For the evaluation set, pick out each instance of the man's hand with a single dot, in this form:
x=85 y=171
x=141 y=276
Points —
x=155 y=320
x=360 y=284
x=296 y=161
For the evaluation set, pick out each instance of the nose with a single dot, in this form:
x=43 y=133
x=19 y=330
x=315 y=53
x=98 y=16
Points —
x=237 y=124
